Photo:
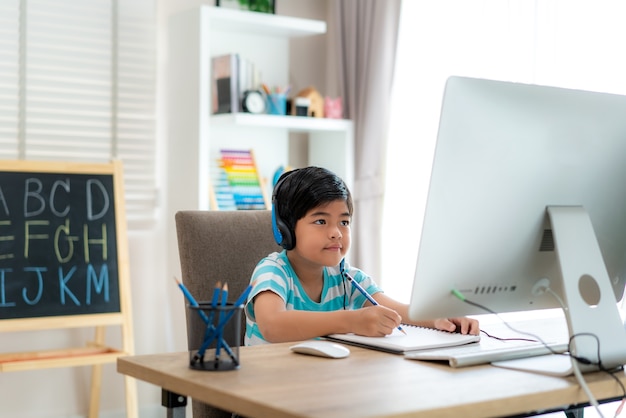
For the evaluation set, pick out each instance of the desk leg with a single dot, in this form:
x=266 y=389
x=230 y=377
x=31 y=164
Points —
x=174 y=403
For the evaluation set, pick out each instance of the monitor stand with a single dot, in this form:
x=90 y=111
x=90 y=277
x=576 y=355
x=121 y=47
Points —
x=590 y=307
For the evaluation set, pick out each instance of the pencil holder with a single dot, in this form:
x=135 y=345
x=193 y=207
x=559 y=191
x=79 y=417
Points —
x=277 y=104
x=214 y=336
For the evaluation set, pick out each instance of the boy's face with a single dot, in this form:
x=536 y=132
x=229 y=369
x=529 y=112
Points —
x=323 y=234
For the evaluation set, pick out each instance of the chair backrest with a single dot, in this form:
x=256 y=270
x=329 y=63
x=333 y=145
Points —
x=221 y=246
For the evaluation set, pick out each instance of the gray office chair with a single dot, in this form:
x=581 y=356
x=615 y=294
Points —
x=221 y=246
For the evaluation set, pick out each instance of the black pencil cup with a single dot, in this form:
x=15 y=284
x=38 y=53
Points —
x=214 y=336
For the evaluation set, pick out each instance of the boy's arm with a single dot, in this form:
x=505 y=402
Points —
x=278 y=324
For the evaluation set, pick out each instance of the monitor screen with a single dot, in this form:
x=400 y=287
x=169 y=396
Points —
x=505 y=153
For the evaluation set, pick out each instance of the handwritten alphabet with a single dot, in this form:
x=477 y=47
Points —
x=57 y=245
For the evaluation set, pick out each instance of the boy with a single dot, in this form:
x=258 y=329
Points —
x=302 y=292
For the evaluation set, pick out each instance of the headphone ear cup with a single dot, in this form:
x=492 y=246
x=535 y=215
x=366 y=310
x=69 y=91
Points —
x=278 y=236
x=282 y=234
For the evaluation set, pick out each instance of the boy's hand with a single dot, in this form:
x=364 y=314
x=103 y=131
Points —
x=375 y=321
x=462 y=325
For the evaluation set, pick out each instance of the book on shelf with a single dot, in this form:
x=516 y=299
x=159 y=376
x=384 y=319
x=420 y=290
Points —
x=416 y=338
x=225 y=83
x=237 y=184
x=231 y=75
x=249 y=76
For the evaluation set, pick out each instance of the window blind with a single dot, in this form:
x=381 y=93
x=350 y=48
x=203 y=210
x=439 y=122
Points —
x=77 y=83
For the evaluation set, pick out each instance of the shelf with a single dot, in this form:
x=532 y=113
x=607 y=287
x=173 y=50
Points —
x=71 y=357
x=291 y=123
x=263 y=23
x=196 y=35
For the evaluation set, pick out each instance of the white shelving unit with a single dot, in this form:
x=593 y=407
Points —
x=195 y=135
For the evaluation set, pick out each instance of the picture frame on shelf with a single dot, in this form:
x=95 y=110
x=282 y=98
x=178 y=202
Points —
x=261 y=6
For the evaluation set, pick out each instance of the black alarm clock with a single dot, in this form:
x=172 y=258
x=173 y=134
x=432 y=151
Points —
x=253 y=101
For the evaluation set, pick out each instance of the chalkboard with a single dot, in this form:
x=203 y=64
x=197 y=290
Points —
x=64 y=263
x=58 y=241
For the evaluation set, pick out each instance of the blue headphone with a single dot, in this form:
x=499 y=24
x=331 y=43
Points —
x=283 y=235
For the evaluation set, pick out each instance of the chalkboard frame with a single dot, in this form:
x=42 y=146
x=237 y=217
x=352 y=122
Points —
x=122 y=317
x=95 y=353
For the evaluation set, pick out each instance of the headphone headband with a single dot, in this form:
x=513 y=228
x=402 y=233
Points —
x=283 y=235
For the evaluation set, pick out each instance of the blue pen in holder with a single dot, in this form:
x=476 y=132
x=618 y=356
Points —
x=214 y=336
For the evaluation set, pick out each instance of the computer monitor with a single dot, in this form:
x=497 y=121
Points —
x=528 y=191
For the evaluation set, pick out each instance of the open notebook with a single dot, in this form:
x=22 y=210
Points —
x=416 y=338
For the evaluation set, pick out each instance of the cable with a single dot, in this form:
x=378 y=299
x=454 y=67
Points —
x=575 y=364
x=508 y=339
x=581 y=381
x=535 y=337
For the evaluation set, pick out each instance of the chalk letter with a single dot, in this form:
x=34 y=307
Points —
x=34 y=301
x=34 y=194
x=28 y=236
x=63 y=286
x=105 y=196
x=4 y=238
x=99 y=283
x=66 y=186
x=4 y=203
x=87 y=241
x=70 y=242
x=3 y=296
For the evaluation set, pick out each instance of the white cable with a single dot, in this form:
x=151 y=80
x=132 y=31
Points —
x=577 y=373
x=583 y=384
x=558 y=298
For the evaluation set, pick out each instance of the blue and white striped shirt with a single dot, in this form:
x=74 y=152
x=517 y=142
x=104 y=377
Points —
x=274 y=273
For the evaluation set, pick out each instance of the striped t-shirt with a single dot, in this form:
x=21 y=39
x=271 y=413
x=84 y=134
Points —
x=274 y=273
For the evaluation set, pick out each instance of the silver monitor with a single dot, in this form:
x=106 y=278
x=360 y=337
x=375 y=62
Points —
x=528 y=192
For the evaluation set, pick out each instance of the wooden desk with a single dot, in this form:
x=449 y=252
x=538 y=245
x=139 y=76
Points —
x=274 y=382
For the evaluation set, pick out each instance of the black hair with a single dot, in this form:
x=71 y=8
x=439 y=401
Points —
x=300 y=190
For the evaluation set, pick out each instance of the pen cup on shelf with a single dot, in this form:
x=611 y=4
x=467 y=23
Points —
x=214 y=336
x=277 y=104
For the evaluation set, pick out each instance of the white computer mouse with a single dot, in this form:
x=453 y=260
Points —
x=321 y=348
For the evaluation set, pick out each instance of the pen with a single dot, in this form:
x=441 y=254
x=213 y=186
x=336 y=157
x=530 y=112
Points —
x=192 y=301
x=272 y=101
x=266 y=89
x=242 y=298
x=213 y=332
x=216 y=294
x=367 y=295
x=210 y=328
x=240 y=301
x=219 y=330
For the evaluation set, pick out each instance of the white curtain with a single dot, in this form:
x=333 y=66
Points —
x=366 y=38
x=565 y=43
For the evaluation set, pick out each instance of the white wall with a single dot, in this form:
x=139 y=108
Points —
x=158 y=313
x=521 y=41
